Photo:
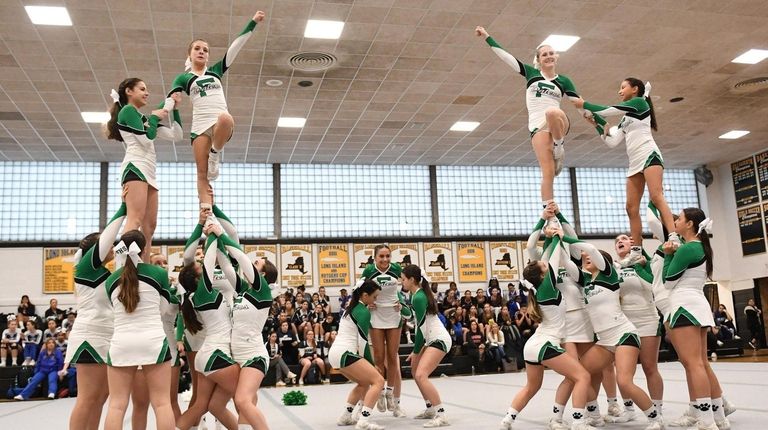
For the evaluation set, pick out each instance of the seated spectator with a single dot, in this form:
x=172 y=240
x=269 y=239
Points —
x=461 y=317
x=324 y=300
x=505 y=318
x=62 y=343
x=329 y=325
x=468 y=301
x=435 y=287
x=26 y=308
x=494 y=345
x=316 y=318
x=282 y=372
x=49 y=362
x=301 y=320
x=487 y=316
x=474 y=342
x=511 y=292
x=68 y=373
x=524 y=323
x=724 y=322
x=54 y=311
x=66 y=325
x=480 y=298
x=455 y=329
x=288 y=343
x=52 y=331
x=11 y=341
x=514 y=342
x=514 y=305
x=450 y=301
x=474 y=315
x=310 y=354
x=496 y=301
x=32 y=338
x=344 y=299
x=301 y=292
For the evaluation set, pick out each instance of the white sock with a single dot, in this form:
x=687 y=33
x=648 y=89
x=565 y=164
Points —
x=350 y=407
x=717 y=409
x=397 y=401
x=430 y=408
x=559 y=141
x=629 y=405
x=704 y=405
x=365 y=413
x=658 y=404
x=692 y=409
x=579 y=415
x=512 y=413
x=612 y=400
x=244 y=427
x=557 y=411
x=439 y=410
x=593 y=409
x=652 y=414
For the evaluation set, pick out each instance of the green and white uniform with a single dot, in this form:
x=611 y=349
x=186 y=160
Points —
x=545 y=342
x=206 y=90
x=429 y=330
x=193 y=341
x=684 y=275
x=139 y=133
x=541 y=93
x=169 y=315
x=90 y=337
x=139 y=338
x=636 y=293
x=386 y=315
x=660 y=293
x=351 y=342
x=634 y=129
x=601 y=294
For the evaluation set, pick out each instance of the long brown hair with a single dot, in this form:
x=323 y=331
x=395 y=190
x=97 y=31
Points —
x=696 y=216
x=533 y=274
x=188 y=279
x=634 y=82
x=413 y=271
x=129 y=279
x=112 y=131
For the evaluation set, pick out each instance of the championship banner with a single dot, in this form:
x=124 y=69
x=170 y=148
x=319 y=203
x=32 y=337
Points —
x=175 y=261
x=155 y=250
x=504 y=261
x=438 y=261
x=405 y=254
x=472 y=265
x=363 y=257
x=267 y=252
x=59 y=270
x=296 y=269
x=333 y=262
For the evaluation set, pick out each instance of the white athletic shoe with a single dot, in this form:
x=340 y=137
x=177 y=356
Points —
x=301 y=382
x=2 y=363
x=26 y=362
x=558 y=153
x=635 y=256
x=346 y=419
x=701 y=426
x=555 y=424
x=625 y=417
x=32 y=363
x=723 y=425
x=655 y=425
x=614 y=410
x=366 y=424
x=426 y=414
x=580 y=426
x=675 y=239
x=596 y=421
x=507 y=423
x=291 y=375
x=398 y=412
x=51 y=396
x=381 y=404
x=280 y=384
x=438 y=421
x=684 y=420
x=390 y=398
x=728 y=407
x=736 y=337
x=17 y=397
x=214 y=160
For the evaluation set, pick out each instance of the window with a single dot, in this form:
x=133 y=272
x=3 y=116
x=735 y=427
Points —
x=49 y=201
x=494 y=201
x=603 y=196
x=355 y=201
x=243 y=191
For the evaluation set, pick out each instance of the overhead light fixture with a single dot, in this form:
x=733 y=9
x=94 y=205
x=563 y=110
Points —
x=753 y=56
x=291 y=122
x=734 y=134
x=48 y=15
x=320 y=29
x=464 y=126
x=96 y=117
x=559 y=42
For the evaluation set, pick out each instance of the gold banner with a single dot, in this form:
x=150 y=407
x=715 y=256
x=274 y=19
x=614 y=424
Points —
x=333 y=261
x=58 y=270
x=472 y=265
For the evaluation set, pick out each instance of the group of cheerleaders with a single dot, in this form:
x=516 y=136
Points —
x=596 y=317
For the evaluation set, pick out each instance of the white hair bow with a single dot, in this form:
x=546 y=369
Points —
x=77 y=257
x=115 y=96
x=11 y=317
x=528 y=285
x=123 y=252
x=647 y=93
x=188 y=64
x=705 y=225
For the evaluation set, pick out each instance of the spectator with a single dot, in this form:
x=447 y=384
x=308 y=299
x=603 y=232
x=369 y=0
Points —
x=301 y=291
x=49 y=362
x=310 y=354
x=753 y=323
x=494 y=345
x=329 y=326
x=461 y=317
x=453 y=287
x=473 y=315
x=344 y=299
x=450 y=300
x=289 y=309
x=474 y=342
x=480 y=298
x=513 y=343
x=52 y=330
x=11 y=341
x=524 y=323
x=455 y=329
x=62 y=343
x=32 y=338
x=26 y=308
x=493 y=284
x=468 y=301
x=325 y=301
x=301 y=320
x=505 y=318
x=282 y=372
x=54 y=311
x=66 y=325
x=511 y=292
x=288 y=343
x=488 y=316
x=513 y=306
x=434 y=286
x=316 y=318
x=496 y=301
x=724 y=323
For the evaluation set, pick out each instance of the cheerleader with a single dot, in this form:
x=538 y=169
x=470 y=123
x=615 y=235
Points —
x=249 y=314
x=10 y=341
x=646 y=166
x=386 y=326
x=431 y=344
x=212 y=124
x=351 y=354
x=543 y=348
x=90 y=338
x=618 y=339
x=136 y=291
x=686 y=269
x=547 y=123
x=137 y=173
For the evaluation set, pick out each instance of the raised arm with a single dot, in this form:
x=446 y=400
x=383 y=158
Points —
x=222 y=66
x=108 y=236
x=636 y=105
x=593 y=253
x=505 y=56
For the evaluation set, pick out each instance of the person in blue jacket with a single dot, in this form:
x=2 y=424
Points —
x=48 y=364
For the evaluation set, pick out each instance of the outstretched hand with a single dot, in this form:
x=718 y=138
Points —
x=259 y=16
x=480 y=31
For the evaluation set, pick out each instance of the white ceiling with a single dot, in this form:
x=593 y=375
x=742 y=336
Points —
x=407 y=70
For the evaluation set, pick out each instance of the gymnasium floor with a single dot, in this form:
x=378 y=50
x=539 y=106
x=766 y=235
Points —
x=473 y=402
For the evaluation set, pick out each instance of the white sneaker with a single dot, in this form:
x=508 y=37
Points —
x=655 y=425
x=614 y=410
x=398 y=412
x=32 y=362
x=2 y=363
x=365 y=424
x=326 y=381
x=346 y=419
x=723 y=425
x=51 y=396
x=291 y=375
x=390 y=399
x=17 y=397
x=625 y=417
x=728 y=408
x=507 y=423
x=701 y=426
x=736 y=337
x=356 y=413
x=684 y=420
x=596 y=421
x=675 y=239
x=26 y=362
x=214 y=159
x=438 y=421
x=381 y=404
x=426 y=414
x=580 y=426
x=558 y=153
x=301 y=382
x=555 y=424
x=280 y=384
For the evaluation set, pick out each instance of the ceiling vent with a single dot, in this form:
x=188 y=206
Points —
x=751 y=85
x=312 y=61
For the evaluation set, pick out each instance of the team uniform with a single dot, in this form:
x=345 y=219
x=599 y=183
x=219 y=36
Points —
x=32 y=344
x=148 y=345
x=351 y=342
x=634 y=129
x=684 y=275
x=90 y=338
x=170 y=317
x=636 y=293
x=541 y=93
x=12 y=339
x=386 y=315
x=138 y=133
x=206 y=91
x=660 y=293
x=429 y=330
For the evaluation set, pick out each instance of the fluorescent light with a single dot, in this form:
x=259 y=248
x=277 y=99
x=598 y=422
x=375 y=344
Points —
x=753 y=56
x=734 y=134
x=291 y=122
x=464 y=126
x=559 y=42
x=96 y=117
x=48 y=15
x=319 y=29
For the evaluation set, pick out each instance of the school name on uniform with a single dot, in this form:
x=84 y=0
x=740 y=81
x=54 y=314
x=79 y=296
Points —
x=547 y=90
x=204 y=85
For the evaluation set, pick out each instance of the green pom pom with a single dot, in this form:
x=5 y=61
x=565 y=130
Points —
x=294 y=398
